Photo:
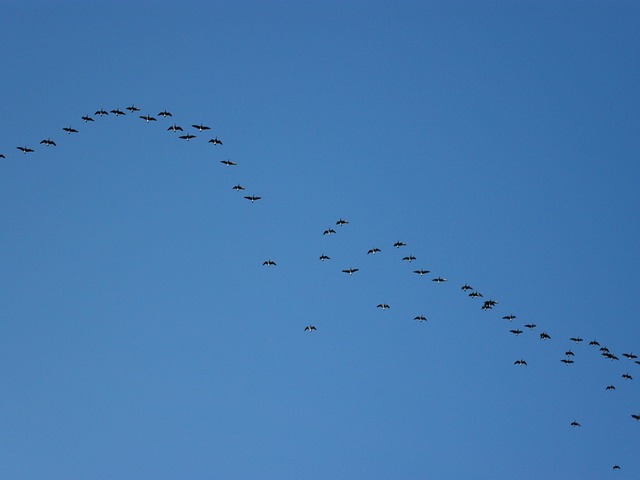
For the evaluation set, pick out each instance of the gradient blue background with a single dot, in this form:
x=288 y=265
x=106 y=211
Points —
x=142 y=338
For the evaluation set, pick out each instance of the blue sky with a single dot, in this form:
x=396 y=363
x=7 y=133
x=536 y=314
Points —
x=141 y=335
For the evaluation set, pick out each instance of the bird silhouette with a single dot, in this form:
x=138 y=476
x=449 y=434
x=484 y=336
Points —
x=409 y=258
x=520 y=362
x=475 y=294
x=133 y=109
x=175 y=128
x=545 y=336
x=87 y=118
x=329 y=231
x=635 y=416
x=399 y=244
x=341 y=222
x=421 y=272
x=165 y=114
x=228 y=163
x=569 y=353
x=350 y=271
x=101 y=112
x=117 y=112
x=373 y=251
x=466 y=287
x=238 y=187
x=383 y=306
x=215 y=141
x=309 y=328
x=509 y=317
x=630 y=356
x=70 y=130
x=575 y=424
x=252 y=198
x=25 y=149
x=147 y=118
x=516 y=332
x=439 y=280
x=594 y=343
x=187 y=137
x=48 y=142
x=269 y=263
x=201 y=127
x=566 y=361
x=530 y=326
x=420 y=318
x=626 y=376
x=576 y=339
x=324 y=257
x=610 y=387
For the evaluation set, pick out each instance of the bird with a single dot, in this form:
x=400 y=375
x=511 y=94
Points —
x=341 y=222
x=25 y=149
x=545 y=336
x=630 y=356
x=351 y=271
x=409 y=258
x=575 y=424
x=604 y=349
x=509 y=317
x=70 y=130
x=399 y=244
x=117 y=112
x=566 y=361
x=269 y=263
x=324 y=257
x=87 y=118
x=373 y=251
x=201 y=127
x=101 y=112
x=165 y=114
x=175 y=128
x=253 y=198
x=569 y=353
x=147 y=118
x=610 y=387
x=616 y=467
x=329 y=231
x=466 y=287
x=439 y=280
x=228 y=163
x=626 y=376
x=636 y=416
x=530 y=326
x=215 y=141
x=520 y=362
x=420 y=318
x=516 y=332
x=486 y=307
x=421 y=272
x=2 y=156
x=309 y=328
x=594 y=343
x=133 y=109
x=610 y=356
x=576 y=339
x=48 y=142
x=475 y=294
x=383 y=306
x=238 y=187
x=493 y=303
x=187 y=137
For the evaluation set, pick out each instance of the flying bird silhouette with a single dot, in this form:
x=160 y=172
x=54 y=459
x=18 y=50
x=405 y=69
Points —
x=133 y=109
x=516 y=332
x=399 y=244
x=101 y=112
x=201 y=127
x=269 y=263
x=373 y=251
x=610 y=387
x=626 y=376
x=329 y=231
x=147 y=118
x=87 y=118
x=466 y=287
x=520 y=362
x=309 y=328
x=70 y=130
x=48 y=142
x=576 y=339
x=350 y=271
x=324 y=257
x=25 y=149
x=439 y=280
x=575 y=424
x=252 y=198
x=630 y=356
x=420 y=318
x=594 y=343
x=228 y=163
x=421 y=272
x=238 y=187
x=566 y=361
x=636 y=417
x=117 y=112
x=545 y=336
x=409 y=258
x=165 y=114
x=509 y=317
x=475 y=294
x=187 y=137
x=383 y=306
x=175 y=128
x=530 y=326
x=215 y=141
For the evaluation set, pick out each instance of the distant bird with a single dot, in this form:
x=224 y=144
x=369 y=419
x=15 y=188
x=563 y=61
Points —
x=637 y=417
x=269 y=263
x=324 y=257
x=594 y=343
x=238 y=187
x=520 y=362
x=486 y=306
x=626 y=376
x=530 y=326
x=566 y=361
x=637 y=361
x=509 y=317
x=630 y=356
x=493 y=303
x=604 y=349
x=409 y=258
x=421 y=272
x=165 y=114
x=466 y=287
x=610 y=356
x=48 y=142
x=420 y=318
x=187 y=137
x=610 y=387
x=576 y=339
x=2 y=156
x=215 y=141
x=351 y=271
x=70 y=130
x=569 y=353
x=616 y=467
x=329 y=231
x=101 y=112
x=399 y=244
x=133 y=109
x=175 y=128
x=117 y=112
x=147 y=118
x=373 y=251
x=87 y=118
x=253 y=198
x=25 y=149
x=341 y=222
x=438 y=279
x=475 y=294
x=383 y=306
x=575 y=424
x=545 y=336
x=309 y=328
x=201 y=127
x=516 y=332
x=228 y=163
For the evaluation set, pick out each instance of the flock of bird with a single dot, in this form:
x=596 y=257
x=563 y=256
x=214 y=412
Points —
x=569 y=355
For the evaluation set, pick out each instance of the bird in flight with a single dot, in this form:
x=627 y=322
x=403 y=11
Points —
x=509 y=317
x=399 y=244
x=545 y=336
x=25 y=149
x=147 y=118
x=516 y=332
x=520 y=362
x=269 y=263
x=101 y=112
x=420 y=318
x=421 y=272
x=630 y=356
x=439 y=280
x=133 y=109
x=575 y=424
x=566 y=361
x=409 y=258
x=70 y=130
x=530 y=326
x=576 y=339
x=309 y=328
x=626 y=376
x=373 y=251
x=466 y=287
x=341 y=222
x=569 y=353
x=594 y=343
x=2 y=156
x=610 y=387
x=48 y=142
x=324 y=257
x=164 y=114
x=329 y=231
x=637 y=417
x=238 y=187
x=187 y=137
x=201 y=127
x=87 y=118
x=351 y=271
x=383 y=306
x=253 y=198
x=228 y=163
x=215 y=141
x=117 y=112
x=175 y=128
x=475 y=294
x=616 y=467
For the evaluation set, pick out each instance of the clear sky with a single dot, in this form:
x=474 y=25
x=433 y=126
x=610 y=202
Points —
x=141 y=336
